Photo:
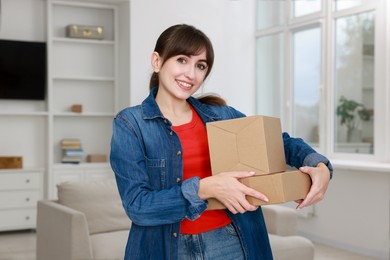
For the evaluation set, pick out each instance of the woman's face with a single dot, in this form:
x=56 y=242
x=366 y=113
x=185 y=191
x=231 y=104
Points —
x=181 y=76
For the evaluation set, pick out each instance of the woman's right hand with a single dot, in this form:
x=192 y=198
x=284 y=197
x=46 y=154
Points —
x=227 y=188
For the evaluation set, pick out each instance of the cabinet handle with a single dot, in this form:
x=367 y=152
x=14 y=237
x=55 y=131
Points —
x=27 y=217
x=27 y=180
x=27 y=199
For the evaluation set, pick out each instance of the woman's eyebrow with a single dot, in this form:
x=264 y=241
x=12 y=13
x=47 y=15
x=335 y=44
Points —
x=205 y=61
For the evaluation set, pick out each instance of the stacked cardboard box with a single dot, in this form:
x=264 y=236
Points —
x=255 y=144
x=72 y=151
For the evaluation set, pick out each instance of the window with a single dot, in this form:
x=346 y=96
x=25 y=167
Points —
x=319 y=69
x=354 y=83
x=306 y=70
x=306 y=7
x=270 y=75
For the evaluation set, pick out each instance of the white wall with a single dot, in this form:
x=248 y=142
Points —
x=354 y=214
x=23 y=20
x=228 y=23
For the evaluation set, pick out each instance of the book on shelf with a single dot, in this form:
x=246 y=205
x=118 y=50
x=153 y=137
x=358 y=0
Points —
x=70 y=141
x=72 y=151
x=71 y=159
x=72 y=144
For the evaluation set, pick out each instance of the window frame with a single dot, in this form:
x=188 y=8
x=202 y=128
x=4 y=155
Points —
x=325 y=19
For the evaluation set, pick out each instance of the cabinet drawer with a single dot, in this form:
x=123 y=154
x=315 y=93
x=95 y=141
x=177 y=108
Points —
x=12 y=181
x=18 y=219
x=19 y=199
x=99 y=174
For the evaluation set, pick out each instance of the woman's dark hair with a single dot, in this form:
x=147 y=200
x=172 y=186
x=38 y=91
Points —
x=183 y=39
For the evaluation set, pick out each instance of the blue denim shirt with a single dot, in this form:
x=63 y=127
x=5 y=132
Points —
x=146 y=156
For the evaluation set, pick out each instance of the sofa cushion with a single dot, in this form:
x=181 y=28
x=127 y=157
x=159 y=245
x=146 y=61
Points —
x=99 y=201
x=110 y=245
x=291 y=247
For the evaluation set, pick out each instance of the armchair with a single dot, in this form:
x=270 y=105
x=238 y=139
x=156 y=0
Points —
x=285 y=243
x=88 y=222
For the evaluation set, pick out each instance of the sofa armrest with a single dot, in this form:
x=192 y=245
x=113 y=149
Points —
x=62 y=233
x=280 y=220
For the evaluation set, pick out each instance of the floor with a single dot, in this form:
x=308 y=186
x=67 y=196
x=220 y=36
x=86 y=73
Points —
x=21 y=246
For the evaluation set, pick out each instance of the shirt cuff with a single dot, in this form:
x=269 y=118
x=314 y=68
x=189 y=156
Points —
x=190 y=189
x=314 y=159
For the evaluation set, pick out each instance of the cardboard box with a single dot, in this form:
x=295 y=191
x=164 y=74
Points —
x=246 y=144
x=11 y=162
x=97 y=158
x=278 y=187
x=255 y=144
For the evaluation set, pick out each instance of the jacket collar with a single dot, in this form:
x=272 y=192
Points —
x=150 y=109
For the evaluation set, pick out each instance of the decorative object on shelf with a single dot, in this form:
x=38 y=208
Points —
x=11 y=162
x=351 y=114
x=77 y=108
x=72 y=151
x=85 y=31
x=96 y=158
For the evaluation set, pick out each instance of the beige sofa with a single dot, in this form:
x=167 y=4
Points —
x=285 y=243
x=88 y=222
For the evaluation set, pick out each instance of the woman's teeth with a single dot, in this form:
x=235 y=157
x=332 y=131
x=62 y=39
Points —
x=183 y=84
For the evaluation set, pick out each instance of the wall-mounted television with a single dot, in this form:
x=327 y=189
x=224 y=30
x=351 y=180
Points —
x=22 y=70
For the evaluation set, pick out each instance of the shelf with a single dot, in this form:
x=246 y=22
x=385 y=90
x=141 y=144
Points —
x=79 y=78
x=89 y=114
x=65 y=13
x=18 y=113
x=82 y=41
x=22 y=170
x=84 y=165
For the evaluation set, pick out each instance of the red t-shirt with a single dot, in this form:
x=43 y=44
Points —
x=196 y=160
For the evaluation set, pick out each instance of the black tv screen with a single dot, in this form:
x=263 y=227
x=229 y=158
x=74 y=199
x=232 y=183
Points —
x=22 y=70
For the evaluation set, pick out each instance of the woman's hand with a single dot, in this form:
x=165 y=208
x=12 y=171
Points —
x=227 y=188
x=320 y=178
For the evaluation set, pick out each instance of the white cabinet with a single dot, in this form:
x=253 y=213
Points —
x=82 y=173
x=81 y=71
x=19 y=192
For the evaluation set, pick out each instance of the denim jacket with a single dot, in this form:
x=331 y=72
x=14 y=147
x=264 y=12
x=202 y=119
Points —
x=146 y=156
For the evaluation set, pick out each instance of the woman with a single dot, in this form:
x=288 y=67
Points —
x=160 y=157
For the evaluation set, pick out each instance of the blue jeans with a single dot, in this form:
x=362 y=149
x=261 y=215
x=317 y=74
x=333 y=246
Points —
x=222 y=243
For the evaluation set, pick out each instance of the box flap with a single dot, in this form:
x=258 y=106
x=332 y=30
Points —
x=251 y=143
x=225 y=141
x=274 y=144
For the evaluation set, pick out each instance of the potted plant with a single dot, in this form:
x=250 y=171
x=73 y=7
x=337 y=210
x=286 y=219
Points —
x=351 y=113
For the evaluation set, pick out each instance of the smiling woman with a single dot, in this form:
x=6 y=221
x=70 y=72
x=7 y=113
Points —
x=180 y=77
x=160 y=156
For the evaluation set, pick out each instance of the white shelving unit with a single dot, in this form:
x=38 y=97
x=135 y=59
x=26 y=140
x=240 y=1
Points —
x=81 y=71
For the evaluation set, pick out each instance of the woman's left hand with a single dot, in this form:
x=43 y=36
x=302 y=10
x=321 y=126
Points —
x=320 y=178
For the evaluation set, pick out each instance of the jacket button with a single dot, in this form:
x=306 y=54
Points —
x=178 y=152
x=165 y=121
x=174 y=234
x=178 y=180
x=171 y=132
